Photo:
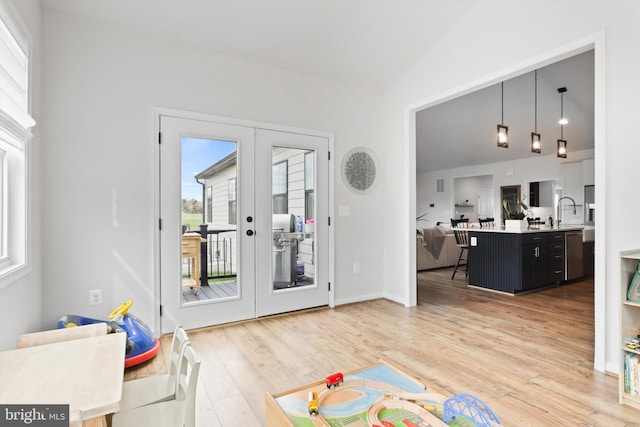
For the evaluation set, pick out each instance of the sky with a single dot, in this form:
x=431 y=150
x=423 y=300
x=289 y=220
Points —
x=197 y=155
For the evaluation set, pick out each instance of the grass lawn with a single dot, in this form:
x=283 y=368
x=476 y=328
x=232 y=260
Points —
x=193 y=219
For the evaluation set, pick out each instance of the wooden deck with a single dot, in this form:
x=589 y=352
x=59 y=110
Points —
x=228 y=288
x=530 y=357
x=216 y=290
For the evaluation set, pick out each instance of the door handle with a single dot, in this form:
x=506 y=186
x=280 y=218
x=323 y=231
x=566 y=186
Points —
x=249 y=232
x=249 y=219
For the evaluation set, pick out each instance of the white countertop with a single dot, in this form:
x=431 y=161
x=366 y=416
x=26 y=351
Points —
x=542 y=229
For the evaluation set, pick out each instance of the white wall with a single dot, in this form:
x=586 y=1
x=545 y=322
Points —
x=465 y=196
x=455 y=65
x=21 y=301
x=101 y=84
x=518 y=172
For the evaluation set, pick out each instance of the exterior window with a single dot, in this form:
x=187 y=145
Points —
x=209 y=204
x=233 y=202
x=280 y=188
x=309 y=194
x=15 y=136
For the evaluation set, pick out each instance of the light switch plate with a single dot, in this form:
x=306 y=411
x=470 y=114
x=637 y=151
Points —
x=344 y=210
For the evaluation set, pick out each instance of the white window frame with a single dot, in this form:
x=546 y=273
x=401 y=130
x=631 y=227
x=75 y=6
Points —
x=15 y=139
x=232 y=201
x=209 y=204
x=280 y=177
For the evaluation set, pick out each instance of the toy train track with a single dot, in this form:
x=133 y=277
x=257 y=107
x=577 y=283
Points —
x=372 y=414
x=463 y=405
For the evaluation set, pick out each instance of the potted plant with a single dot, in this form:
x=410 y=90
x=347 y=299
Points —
x=515 y=215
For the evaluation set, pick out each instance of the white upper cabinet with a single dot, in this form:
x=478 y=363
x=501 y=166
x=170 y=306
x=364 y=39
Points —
x=573 y=182
x=589 y=171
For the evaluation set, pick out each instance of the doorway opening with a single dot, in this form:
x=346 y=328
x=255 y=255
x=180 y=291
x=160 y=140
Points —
x=473 y=197
x=504 y=177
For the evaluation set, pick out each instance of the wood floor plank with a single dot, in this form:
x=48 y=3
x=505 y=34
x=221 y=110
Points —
x=529 y=357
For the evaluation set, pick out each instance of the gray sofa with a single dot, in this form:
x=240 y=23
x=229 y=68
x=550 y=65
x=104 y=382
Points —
x=439 y=241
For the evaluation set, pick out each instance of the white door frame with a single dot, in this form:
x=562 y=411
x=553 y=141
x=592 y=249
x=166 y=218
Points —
x=162 y=111
x=595 y=41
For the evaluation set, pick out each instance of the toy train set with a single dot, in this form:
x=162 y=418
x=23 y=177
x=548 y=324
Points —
x=461 y=409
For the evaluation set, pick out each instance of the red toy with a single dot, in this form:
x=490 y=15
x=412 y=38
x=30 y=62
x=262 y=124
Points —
x=334 y=380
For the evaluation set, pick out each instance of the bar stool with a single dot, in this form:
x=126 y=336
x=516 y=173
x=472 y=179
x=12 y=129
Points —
x=460 y=230
x=486 y=223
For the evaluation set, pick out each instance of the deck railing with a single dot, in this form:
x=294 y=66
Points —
x=221 y=254
x=218 y=254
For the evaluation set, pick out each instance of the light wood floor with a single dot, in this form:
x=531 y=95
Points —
x=530 y=357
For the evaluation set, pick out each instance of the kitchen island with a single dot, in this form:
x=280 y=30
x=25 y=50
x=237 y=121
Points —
x=515 y=261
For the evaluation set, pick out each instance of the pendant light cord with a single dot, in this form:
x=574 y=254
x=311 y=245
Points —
x=502 y=104
x=561 y=115
x=535 y=110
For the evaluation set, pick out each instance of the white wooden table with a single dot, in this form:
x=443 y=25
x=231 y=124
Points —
x=86 y=373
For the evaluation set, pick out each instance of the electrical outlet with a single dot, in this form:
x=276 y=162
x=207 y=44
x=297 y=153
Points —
x=95 y=297
x=356 y=268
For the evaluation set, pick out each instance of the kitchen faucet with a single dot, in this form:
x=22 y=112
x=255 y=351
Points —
x=559 y=200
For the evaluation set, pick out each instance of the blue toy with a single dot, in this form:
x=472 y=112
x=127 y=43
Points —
x=141 y=344
x=470 y=407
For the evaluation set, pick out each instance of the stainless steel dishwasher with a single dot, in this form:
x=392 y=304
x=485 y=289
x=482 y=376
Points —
x=573 y=264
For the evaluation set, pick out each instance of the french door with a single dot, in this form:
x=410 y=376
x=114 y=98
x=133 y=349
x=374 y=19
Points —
x=292 y=265
x=244 y=222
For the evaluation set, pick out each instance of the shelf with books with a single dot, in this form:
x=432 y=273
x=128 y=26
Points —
x=627 y=351
x=631 y=383
x=629 y=379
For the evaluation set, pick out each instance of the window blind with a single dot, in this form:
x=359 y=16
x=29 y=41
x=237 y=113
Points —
x=14 y=79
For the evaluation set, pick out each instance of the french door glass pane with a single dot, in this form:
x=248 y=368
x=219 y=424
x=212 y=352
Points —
x=209 y=218
x=293 y=213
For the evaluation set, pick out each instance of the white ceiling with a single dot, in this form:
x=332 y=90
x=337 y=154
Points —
x=462 y=132
x=369 y=44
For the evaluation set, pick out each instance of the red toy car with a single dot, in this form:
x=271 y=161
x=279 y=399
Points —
x=334 y=380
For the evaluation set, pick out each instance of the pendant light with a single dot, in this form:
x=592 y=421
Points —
x=536 y=143
x=503 y=131
x=562 y=143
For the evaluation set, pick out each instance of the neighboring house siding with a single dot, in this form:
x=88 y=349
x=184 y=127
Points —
x=222 y=247
x=220 y=184
x=296 y=199
x=296 y=177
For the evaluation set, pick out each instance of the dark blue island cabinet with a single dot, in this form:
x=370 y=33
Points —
x=516 y=261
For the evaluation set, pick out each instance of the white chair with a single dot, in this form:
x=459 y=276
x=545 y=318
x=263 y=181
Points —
x=178 y=412
x=143 y=391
